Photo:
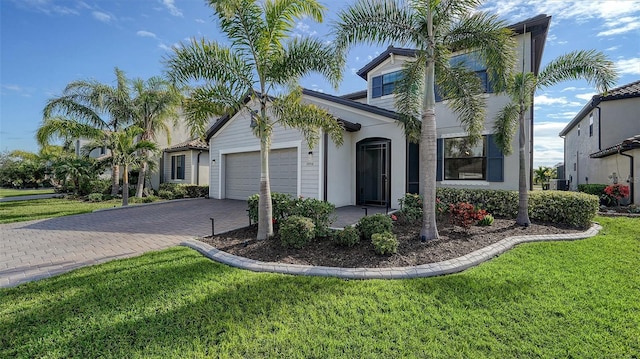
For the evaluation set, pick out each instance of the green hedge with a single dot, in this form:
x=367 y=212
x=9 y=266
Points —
x=572 y=208
x=178 y=190
x=594 y=189
x=285 y=205
x=296 y=231
x=562 y=207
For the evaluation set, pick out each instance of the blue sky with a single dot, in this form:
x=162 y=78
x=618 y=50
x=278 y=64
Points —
x=45 y=44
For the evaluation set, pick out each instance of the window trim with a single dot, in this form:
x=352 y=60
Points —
x=484 y=158
x=378 y=85
x=177 y=172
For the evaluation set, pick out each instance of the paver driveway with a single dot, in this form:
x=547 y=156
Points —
x=43 y=248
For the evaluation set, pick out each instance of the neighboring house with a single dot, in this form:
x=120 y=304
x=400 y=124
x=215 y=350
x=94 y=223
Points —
x=602 y=143
x=186 y=162
x=376 y=165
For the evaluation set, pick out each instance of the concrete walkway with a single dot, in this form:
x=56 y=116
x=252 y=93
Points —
x=43 y=248
x=30 y=197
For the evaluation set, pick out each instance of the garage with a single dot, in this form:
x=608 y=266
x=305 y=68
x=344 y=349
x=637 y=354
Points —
x=242 y=173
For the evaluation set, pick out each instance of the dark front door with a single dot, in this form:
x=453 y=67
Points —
x=373 y=164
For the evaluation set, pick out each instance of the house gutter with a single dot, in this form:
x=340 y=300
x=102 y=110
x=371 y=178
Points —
x=325 y=164
x=198 y=169
x=631 y=175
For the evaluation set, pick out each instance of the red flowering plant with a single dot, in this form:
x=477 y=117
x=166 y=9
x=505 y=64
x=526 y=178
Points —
x=393 y=217
x=465 y=215
x=617 y=191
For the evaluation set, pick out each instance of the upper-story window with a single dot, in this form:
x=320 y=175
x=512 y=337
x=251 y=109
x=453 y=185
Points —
x=384 y=84
x=591 y=124
x=472 y=62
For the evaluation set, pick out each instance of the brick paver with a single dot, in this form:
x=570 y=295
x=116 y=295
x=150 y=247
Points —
x=43 y=248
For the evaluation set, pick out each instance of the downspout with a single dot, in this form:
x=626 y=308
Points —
x=198 y=168
x=325 y=164
x=631 y=175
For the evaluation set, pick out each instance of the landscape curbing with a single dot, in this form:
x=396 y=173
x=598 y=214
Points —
x=449 y=266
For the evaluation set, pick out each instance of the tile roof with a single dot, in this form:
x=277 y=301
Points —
x=626 y=145
x=196 y=144
x=628 y=90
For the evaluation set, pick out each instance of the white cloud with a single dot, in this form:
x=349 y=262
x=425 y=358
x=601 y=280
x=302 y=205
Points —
x=612 y=48
x=200 y=21
x=586 y=96
x=101 y=16
x=304 y=29
x=170 y=5
x=622 y=29
x=143 y=33
x=560 y=101
x=563 y=115
x=164 y=46
x=573 y=88
x=46 y=7
x=629 y=66
x=548 y=147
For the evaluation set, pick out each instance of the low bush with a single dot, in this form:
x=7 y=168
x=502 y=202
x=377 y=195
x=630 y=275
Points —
x=100 y=186
x=465 y=214
x=296 y=231
x=194 y=191
x=376 y=223
x=384 y=243
x=319 y=211
x=499 y=203
x=280 y=202
x=411 y=207
x=165 y=194
x=95 y=197
x=594 y=189
x=348 y=237
x=572 y=208
x=486 y=221
x=179 y=190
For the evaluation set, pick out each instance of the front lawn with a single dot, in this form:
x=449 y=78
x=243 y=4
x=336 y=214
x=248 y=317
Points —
x=554 y=299
x=18 y=211
x=9 y=192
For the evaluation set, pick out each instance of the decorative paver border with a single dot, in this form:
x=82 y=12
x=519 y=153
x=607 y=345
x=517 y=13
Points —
x=425 y=270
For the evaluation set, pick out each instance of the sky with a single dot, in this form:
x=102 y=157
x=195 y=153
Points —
x=46 y=44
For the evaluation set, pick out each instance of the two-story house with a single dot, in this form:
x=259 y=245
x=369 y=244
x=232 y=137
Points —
x=602 y=142
x=376 y=164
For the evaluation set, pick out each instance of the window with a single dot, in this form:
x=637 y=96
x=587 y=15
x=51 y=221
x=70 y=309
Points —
x=463 y=161
x=385 y=84
x=591 y=124
x=578 y=129
x=472 y=62
x=177 y=167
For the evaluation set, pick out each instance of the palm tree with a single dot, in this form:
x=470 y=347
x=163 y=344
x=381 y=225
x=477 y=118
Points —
x=592 y=66
x=261 y=63
x=156 y=102
x=436 y=29
x=127 y=148
x=87 y=109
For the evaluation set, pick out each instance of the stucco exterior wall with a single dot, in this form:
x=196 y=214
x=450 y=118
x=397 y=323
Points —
x=620 y=118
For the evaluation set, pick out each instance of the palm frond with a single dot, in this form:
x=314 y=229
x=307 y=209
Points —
x=302 y=56
x=377 y=22
x=290 y=111
x=504 y=127
x=280 y=15
x=65 y=129
x=409 y=97
x=463 y=89
x=590 y=65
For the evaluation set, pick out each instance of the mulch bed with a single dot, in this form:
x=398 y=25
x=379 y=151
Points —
x=453 y=242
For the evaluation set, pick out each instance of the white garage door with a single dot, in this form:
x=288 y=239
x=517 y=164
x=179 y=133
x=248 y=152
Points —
x=242 y=173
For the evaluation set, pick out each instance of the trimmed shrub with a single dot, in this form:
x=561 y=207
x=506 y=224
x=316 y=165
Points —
x=280 y=202
x=486 y=221
x=319 y=211
x=594 y=189
x=95 y=197
x=411 y=207
x=194 y=191
x=464 y=214
x=348 y=237
x=296 y=231
x=165 y=194
x=101 y=186
x=384 y=243
x=376 y=223
x=499 y=203
x=572 y=208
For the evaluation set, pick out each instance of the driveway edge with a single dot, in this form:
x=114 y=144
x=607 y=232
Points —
x=450 y=266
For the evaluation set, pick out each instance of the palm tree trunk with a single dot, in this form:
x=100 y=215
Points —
x=265 y=210
x=125 y=186
x=428 y=135
x=115 y=180
x=141 y=176
x=523 y=192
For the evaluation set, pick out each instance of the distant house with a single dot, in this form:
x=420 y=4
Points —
x=186 y=162
x=376 y=165
x=602 y=143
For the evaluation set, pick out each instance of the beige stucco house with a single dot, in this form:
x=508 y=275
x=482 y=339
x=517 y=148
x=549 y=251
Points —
x=376 y=165
x=602 y=143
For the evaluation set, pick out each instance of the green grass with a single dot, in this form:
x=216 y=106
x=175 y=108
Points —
x=542 y=300
x=8 y=192
x=18 y=211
